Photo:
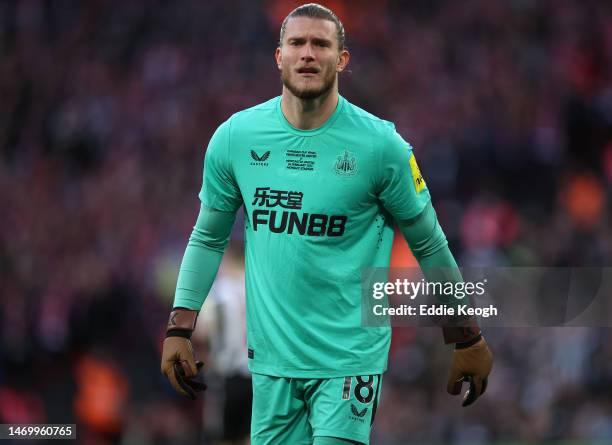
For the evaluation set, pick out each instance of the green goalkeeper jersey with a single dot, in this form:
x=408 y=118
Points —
x=319 y=206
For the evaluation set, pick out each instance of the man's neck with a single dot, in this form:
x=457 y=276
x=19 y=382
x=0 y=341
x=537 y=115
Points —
x=308 y=114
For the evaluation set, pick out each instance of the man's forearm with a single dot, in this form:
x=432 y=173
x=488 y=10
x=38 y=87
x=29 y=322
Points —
x=202 y=257
x=430 y=247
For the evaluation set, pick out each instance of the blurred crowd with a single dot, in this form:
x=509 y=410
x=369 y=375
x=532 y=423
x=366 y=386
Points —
x=105 y=112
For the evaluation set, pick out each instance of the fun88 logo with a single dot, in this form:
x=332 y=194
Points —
x=284 y=218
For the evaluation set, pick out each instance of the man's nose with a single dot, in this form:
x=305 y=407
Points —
x=307 y=53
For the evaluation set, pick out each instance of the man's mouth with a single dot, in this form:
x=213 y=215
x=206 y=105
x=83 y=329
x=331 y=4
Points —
x=307 y=70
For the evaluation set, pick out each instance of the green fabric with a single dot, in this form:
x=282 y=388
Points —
x=430 y=247
x=424 y=235
x=318 y=209
x=293 y=411
x=202 y=257
x=322 y=440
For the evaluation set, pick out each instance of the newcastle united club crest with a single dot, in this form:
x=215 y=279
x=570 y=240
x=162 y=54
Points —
x=345 y=165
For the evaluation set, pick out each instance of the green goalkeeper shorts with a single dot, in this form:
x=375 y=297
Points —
x=294 y=411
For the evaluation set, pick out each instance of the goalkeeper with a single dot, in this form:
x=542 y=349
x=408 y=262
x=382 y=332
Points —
x=321 y=182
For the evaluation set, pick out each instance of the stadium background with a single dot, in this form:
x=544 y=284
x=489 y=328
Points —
x=105 y=110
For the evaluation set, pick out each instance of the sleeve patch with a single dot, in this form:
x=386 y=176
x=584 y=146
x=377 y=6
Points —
x=417 y=178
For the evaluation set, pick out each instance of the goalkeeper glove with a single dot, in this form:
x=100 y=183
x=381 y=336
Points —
x=472 y=362
x=178 y=362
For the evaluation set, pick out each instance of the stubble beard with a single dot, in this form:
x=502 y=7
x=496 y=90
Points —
x=308 y=93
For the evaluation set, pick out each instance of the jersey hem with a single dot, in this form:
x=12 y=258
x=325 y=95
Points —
x=342 y=434
x=314 y=373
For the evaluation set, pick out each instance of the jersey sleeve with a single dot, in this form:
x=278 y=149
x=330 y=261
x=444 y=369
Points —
x=401 y=187
x=219 y=188
x=202 y=257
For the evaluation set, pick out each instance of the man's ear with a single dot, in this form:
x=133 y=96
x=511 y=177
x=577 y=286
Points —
x=343 y=60
x=279 y=57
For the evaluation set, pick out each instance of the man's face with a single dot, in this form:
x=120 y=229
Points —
x=309 y=58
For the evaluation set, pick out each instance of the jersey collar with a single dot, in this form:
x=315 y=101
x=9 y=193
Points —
x=315 y=131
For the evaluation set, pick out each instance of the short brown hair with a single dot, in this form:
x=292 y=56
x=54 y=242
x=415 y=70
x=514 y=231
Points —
x=315 y=11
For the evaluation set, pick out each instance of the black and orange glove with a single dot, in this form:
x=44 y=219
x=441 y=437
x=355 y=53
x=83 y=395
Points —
x=178 y=363
x=472 y=362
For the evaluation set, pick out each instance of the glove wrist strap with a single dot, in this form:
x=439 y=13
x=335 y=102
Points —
x=181 y=322
x=467 y=344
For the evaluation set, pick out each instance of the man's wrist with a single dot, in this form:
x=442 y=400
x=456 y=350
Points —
x=461 y=331
x=181 y=323
x=467 y=344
